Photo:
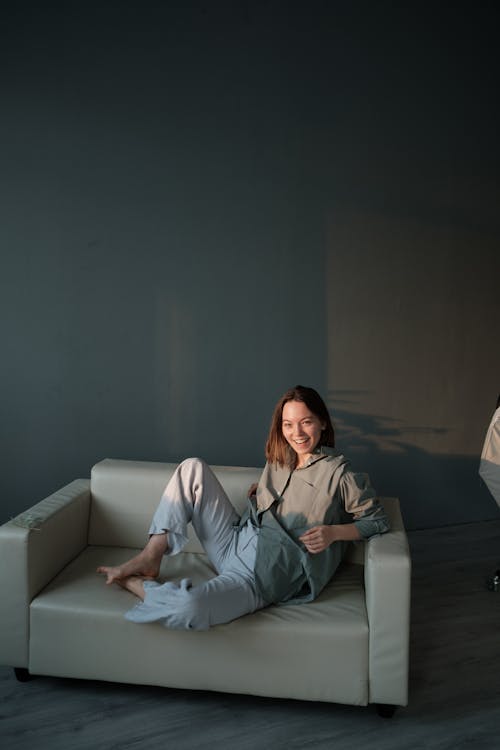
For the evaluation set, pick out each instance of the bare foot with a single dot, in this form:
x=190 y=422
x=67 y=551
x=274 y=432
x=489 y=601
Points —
x=134 y=584
x=145 y=565
x=121 y=573
x=140 y=565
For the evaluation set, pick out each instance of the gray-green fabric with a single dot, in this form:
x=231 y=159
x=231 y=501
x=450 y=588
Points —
x=288 y=503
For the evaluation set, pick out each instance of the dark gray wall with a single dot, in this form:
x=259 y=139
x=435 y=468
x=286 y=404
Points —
x=204 y=203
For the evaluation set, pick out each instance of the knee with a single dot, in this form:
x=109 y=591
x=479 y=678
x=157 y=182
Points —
x=193 y=464
x=193 y=472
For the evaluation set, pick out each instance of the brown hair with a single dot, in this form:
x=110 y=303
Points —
x=277 y=449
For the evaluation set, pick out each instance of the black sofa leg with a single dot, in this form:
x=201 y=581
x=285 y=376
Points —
x=22 y=674
x=386 y=710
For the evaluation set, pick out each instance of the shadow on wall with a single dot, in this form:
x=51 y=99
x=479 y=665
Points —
x=434 y=489
x=412 y=365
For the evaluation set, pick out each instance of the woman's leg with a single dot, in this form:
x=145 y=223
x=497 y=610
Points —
x=146 y=564
x=194 y=495
x=134 y=584
x=182 y=606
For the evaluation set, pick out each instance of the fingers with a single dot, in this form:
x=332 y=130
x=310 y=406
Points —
x=313 y=544
x=314 y=540
x=311 y=535
x=314 y=550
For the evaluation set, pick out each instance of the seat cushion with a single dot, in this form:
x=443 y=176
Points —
x=316 y=651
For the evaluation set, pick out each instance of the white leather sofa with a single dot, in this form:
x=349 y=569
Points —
x=59 y=618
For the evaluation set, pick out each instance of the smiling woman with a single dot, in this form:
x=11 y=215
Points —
x=284 y=548
x=302 y=421
x=301 y=433
x=302 y=430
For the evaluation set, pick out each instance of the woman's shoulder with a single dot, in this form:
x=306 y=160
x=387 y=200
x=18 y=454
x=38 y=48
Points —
x=333 y=458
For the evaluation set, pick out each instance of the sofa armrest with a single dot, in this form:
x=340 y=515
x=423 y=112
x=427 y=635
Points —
x=387 y=588
x=34 y=547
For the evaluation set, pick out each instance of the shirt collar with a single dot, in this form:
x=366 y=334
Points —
x=321 y=451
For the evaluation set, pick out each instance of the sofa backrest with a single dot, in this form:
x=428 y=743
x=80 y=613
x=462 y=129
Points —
x=125 y=495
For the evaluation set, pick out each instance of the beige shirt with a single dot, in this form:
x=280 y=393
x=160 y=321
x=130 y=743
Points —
x=288 y=503
x=324 y=491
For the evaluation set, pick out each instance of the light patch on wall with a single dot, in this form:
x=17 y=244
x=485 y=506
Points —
x=176 y=370
x=409 y=348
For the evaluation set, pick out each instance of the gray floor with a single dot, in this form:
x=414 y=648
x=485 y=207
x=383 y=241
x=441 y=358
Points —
x=454 y=689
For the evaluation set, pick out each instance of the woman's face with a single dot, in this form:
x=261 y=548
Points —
x=301 y=429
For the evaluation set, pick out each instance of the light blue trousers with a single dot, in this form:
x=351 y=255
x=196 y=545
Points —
x=195 y=495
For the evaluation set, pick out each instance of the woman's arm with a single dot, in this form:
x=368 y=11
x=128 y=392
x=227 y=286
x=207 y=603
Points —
x=319 y=538
x=362 y=504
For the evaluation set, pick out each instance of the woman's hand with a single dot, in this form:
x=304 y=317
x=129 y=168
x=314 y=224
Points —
x=252 y=489
x=318 y=539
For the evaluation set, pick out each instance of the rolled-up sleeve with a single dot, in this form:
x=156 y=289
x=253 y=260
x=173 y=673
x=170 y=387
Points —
x=361 y=502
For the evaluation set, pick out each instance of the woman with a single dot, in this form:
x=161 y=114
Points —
x=306 y=507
